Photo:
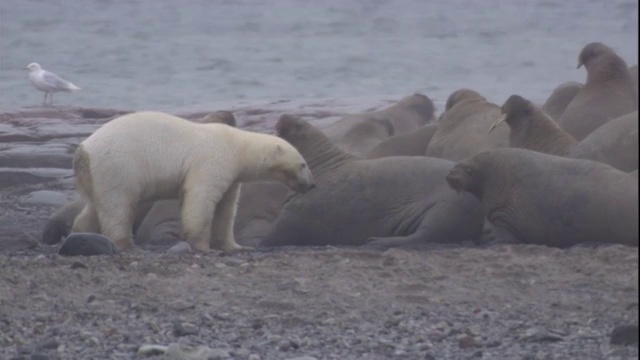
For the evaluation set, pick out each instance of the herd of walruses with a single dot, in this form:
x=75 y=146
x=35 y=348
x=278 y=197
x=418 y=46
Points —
x=558 y=174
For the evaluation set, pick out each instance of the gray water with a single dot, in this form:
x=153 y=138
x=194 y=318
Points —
x=159 y=54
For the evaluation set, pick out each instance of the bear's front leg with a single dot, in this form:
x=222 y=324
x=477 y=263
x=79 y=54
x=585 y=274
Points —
x=224 y=219
x=198 y=207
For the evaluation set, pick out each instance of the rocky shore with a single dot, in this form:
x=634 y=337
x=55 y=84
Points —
x=499 y=302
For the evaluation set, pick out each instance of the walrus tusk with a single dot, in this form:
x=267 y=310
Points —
x=502 y=118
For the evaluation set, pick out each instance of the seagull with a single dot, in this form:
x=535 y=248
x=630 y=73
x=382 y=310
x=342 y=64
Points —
x=48 y=82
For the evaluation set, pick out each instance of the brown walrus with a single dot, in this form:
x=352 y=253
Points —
x=532 y=129
x=258 y=207
x=359 y=133
x=391 y=201
x=607 y=94
x=410 y=144
x=462 y=130
x=536 y=198
x=614 y=143
x=560 y=98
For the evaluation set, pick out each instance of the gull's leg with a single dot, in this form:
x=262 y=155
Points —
x=44 y=102
x=51 y=99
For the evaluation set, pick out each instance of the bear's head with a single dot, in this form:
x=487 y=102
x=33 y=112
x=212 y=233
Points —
x=285 y=164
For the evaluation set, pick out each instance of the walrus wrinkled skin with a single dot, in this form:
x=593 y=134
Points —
x=462 y=130
x=359 y=133
x=532 y=129
x=560 y=98
x=608 y=93
x=258 y=207
x=410 y=144
x=386 y=202
x=535 y=198
x=614 y=143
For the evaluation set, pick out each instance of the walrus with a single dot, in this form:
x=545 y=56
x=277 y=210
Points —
x=535 y=198
x=532 y=129
x=386 y=202
x=258 y=207
x=358 y=133
x=462 y=130
x=608 y=93
x=410 y=144
x=560 y=98
x=614 y=143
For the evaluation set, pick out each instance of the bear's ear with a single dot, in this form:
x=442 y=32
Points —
x=288 y=125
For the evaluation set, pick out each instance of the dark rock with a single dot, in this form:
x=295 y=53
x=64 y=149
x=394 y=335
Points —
x=78 y=265
x=87 y=244
x=9 y=133
x=624 y=335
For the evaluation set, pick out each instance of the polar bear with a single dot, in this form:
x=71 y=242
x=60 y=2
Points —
x=147 y=156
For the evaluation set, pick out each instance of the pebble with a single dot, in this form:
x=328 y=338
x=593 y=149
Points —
x=185 y=329
x=624 y=335
x=150 y=350
x=177 y=351
x=179 y=248
x=254 y=357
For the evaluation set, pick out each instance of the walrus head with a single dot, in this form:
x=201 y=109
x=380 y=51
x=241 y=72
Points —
x=223 y=117
x=515 y=112
x=591 y=52
x=465 y=176
x=421 y=104
x=603 y=64
x=460 y=95
x=290 y=127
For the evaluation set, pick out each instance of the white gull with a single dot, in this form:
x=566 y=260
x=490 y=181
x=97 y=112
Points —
x=48 y=82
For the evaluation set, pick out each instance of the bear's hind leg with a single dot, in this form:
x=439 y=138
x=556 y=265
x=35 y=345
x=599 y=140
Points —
x=87 y=220
x=116 y=216
x=222 y=237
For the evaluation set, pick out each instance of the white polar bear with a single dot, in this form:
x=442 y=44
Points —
x=148 y=156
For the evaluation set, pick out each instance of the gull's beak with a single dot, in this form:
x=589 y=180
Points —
x=579 y=65
x=25 y=68
x=502 y=118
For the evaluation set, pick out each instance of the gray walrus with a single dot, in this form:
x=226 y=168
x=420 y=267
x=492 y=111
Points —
x=462 y=130
x=59 y=224
x=358 y=133
x=535 y=198
x=614 y=143
x=391 y=201
x=530 y=128
x=258 y=207
x=607 y=94
x=410 y=144
x=560 y=98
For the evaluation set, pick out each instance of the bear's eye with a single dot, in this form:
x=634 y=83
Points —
x=303 y=165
